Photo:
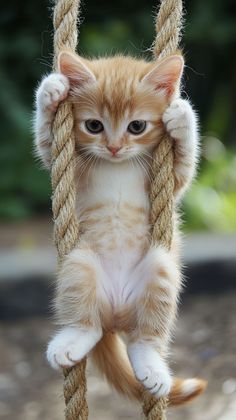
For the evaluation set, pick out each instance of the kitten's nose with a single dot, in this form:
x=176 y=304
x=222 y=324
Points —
x=113 y=150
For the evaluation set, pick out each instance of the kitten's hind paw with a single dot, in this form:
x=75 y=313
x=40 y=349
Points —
x=157 y=382
x=71 y=345
x=150 y=369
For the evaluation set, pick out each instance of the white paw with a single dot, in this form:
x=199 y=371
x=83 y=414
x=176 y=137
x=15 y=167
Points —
x=156 y=380
x=150 y=369
x=71 y=345
x=53 y=90
x=179 y=119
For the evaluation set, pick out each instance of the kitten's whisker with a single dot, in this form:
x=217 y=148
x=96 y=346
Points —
x=139 y=160
x=148 y=154
x=147 y=162
x=92 y=167
x=85 y=165
x=95 y=163
x=88 y=170
x=132 y=161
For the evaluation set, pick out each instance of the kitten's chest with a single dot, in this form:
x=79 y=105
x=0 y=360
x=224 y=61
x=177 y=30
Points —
x=113 y=207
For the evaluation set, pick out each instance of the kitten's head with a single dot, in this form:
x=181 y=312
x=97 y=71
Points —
x=119 y=102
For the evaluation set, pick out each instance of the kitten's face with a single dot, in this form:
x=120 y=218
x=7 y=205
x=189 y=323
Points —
x=119 y=103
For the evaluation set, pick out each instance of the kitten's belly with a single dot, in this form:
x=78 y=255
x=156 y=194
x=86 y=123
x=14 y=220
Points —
x=114 y=216
x=120 y=237
x=116 y=233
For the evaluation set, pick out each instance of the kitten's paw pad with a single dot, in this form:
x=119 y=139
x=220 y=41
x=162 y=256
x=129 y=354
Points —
x=53 y=90
x=70 y=346
x=178 y=118
x=156 y=381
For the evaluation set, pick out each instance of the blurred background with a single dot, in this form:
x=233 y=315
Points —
x=205 y=337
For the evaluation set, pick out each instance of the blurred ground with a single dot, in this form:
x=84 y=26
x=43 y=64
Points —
x=204 y=346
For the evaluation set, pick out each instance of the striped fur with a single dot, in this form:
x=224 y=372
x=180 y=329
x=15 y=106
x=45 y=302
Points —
x=116 y=279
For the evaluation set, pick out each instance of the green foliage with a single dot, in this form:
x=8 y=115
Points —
x=211 y=202
x=26 y=51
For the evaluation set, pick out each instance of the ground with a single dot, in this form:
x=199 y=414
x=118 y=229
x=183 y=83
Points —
x=204 y=346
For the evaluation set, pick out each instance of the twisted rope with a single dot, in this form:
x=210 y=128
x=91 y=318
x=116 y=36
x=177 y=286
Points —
x=168 y=25
x=75 y=392
x=154 y=409
x=168 y=30
x=64 y=191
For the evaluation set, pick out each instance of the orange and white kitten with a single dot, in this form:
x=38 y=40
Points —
x=116 y=280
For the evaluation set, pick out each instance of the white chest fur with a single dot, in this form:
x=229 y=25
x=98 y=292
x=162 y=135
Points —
x=113 y=184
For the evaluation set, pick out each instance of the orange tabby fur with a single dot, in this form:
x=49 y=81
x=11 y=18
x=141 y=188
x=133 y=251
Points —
x=116 y=280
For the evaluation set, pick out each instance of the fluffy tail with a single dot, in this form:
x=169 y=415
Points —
x=111 y=358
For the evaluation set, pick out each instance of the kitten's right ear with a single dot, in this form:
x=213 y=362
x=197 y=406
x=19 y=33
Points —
x=73 y=67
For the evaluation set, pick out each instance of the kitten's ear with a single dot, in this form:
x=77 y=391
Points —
x=74 y=68
x=165 y=77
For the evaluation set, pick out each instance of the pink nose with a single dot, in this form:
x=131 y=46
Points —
x=113 y=150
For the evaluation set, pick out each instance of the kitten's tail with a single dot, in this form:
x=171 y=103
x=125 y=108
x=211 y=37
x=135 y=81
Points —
x=111 y=358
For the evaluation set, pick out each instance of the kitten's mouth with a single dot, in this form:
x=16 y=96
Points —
x=115 y=158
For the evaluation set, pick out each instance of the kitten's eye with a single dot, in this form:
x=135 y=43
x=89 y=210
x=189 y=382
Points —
x=137 y=126
x=94 y=126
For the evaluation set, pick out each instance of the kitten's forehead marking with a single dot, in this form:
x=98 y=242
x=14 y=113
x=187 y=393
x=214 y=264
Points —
x=115 y=128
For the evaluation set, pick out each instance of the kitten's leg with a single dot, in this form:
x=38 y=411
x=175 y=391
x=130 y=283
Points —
x=52 y=90
x=77 y=308
x=181 y=123
x=155 y=309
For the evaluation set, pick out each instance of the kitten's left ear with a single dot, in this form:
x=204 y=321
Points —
x=165 y=77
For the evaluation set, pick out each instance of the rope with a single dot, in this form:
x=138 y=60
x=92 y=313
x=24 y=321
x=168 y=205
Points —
x=154 y=409
x=64 y=191
x=168 y=30
x=168 y=25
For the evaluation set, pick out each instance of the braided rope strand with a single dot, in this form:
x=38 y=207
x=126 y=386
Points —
x=64 y=191
x=74 y=393
x=153 y=409
x=161 y=193
x=168 y=30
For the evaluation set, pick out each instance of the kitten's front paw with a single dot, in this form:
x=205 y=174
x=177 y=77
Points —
x=71 y=345
x=179 y=119
x=53 y=90
x=150 y=369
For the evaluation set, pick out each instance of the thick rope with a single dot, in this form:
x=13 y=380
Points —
x=168 y=30
x=64 y=191
x=154 y=409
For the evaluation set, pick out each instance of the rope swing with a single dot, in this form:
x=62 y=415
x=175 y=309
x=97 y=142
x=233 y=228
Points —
x=168 y=28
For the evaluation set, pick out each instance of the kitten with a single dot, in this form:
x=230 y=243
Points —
x=115 y=280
